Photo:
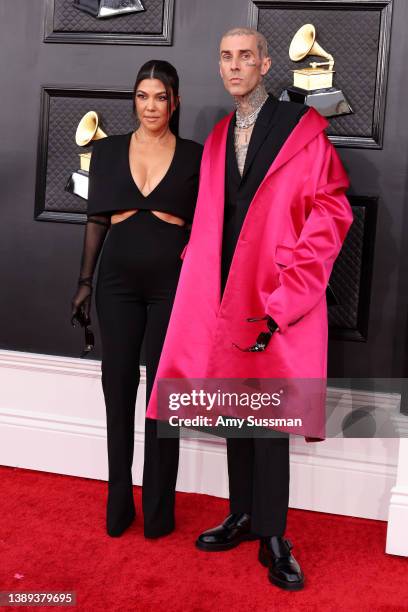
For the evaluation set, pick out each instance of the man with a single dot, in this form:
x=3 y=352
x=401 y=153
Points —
x=270 y=221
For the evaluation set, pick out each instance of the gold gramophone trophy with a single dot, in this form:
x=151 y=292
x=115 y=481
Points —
x=88 y=130
x=314 y=85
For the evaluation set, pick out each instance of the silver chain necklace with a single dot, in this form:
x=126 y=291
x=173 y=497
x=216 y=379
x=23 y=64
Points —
x=248 y=120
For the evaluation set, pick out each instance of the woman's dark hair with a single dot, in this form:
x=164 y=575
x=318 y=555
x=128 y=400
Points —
x=167 y=74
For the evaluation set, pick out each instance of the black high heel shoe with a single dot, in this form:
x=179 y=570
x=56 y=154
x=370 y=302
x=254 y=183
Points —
x=120 y=512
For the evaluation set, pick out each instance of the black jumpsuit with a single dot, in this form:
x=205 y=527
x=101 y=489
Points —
x=135 y=290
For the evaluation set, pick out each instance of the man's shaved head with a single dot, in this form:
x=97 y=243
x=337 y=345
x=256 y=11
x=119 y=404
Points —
x=244 y=60
x=261 y=41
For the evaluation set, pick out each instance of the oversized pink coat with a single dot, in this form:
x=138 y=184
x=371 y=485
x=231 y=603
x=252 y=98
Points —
x=292 y=233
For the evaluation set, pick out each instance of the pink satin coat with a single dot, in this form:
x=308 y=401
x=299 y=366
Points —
x=291 y=236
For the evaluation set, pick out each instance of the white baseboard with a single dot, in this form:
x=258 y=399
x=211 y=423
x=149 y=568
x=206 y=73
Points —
x=397 y=533
x=52 y=418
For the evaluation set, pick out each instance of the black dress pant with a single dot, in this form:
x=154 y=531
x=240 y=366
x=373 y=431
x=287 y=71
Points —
x=137 y=281
x=258 y=470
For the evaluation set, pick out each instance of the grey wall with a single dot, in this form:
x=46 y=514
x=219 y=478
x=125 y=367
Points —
x=39 y=261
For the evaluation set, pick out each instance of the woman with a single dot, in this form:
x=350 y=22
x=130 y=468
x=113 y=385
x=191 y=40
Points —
x=143 y=189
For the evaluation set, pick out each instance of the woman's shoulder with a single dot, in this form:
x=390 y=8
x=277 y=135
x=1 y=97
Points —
x=191 y=149
x=111 y=142
x=108 y=153
x=191 y=145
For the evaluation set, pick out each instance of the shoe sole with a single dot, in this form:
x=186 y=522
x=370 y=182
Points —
x=221 y=547
x=287 y=586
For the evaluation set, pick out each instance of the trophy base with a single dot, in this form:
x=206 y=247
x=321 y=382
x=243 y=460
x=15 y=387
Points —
x=330 y=102
x=102 y=9
x=78 y=184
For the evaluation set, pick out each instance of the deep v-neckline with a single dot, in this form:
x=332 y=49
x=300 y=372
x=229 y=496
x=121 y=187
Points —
x=161 y=180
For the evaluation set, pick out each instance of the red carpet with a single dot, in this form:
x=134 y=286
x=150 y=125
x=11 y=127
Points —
x=53 y=538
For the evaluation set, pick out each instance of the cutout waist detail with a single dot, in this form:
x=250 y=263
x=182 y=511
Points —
x=166 y=217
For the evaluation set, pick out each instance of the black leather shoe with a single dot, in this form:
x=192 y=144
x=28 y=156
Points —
x=235 y=529
x=284 y=570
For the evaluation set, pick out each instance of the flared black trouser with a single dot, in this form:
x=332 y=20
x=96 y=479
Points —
x=137 y=281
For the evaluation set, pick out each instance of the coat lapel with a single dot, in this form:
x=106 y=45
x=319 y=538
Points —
x=309 y=126
x=231 y=165
x=212 y=184
x=266 y=119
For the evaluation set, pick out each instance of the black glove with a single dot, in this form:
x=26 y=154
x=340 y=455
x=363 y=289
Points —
x=263 y=339
x=81 y=303
x=95 y=231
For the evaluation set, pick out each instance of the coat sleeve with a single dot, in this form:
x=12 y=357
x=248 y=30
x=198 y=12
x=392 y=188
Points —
x=303 y=283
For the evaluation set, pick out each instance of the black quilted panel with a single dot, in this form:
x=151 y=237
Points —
x=69 y=19
x=65 y=113
x=351 y=36
x=345 y=278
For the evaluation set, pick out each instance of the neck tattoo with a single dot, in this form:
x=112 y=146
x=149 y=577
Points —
x=249 y=106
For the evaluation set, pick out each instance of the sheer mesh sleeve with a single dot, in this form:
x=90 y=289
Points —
x=95 y=231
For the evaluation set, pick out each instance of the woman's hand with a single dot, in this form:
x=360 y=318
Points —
x=81 y=305
x=94 y=236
